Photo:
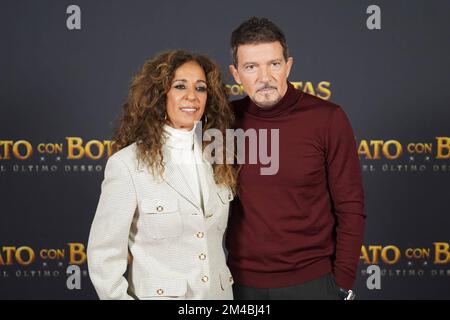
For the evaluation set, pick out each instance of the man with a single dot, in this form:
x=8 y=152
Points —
x=296 y=234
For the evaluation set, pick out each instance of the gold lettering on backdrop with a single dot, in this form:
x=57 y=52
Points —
x=391 y=149
x=389 y=254
x=8 y=147
x=443 y=148
x=26 y=255
x=23 y=255
x=442 y=253
x=93 y=149
x=77 y=253
x=322 y=90
x=50 y=148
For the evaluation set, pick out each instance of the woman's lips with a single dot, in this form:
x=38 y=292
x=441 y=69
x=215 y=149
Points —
x=189 y=110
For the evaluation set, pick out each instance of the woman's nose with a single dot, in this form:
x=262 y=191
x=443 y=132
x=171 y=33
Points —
x=191 y=95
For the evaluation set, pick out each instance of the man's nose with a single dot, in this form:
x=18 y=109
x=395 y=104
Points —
x=264 y=75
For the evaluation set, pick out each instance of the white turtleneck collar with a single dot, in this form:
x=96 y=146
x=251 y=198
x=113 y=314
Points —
x=179 y=139
x=185 y=153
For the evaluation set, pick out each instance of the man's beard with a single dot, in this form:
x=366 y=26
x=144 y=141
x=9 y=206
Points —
x=268 y=103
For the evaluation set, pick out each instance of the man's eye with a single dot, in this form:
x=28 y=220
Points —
x=276 y=64
x=201 y=89
x=180 y=86
x=249 y=67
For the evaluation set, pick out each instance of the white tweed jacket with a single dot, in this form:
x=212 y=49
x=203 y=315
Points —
x=177 y=248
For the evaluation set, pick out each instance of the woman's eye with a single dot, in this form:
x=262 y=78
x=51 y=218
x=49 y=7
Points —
x=180 y=86
x=201 y=89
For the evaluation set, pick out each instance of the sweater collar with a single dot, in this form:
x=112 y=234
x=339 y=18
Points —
x=290 y=98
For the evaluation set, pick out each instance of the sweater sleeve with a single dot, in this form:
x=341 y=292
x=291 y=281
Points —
x=347 y=195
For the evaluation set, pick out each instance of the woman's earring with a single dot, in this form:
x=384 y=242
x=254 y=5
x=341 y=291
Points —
x=165 y=116
x=206 y=119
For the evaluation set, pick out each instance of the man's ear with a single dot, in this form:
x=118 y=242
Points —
x=234 y=73
x=289 y=63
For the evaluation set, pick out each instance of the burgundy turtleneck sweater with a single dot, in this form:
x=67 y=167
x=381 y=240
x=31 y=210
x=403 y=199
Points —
x=307 y=219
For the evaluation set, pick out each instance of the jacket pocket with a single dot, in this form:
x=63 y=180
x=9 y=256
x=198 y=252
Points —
x=226 y=279
x=161 y=218
x=161 y=288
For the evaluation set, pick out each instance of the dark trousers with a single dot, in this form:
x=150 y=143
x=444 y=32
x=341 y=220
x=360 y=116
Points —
x=323 y=288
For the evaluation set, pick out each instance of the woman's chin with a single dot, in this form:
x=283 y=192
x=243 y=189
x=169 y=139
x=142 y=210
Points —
x=183 y=126
x=190 y=123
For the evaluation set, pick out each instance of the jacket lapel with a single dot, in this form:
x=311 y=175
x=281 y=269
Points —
x=173 y=176
x=175 y=179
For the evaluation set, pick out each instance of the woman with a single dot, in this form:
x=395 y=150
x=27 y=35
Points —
x=161 y=201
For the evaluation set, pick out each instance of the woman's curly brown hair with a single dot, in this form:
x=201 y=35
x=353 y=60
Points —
x=144 y=112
